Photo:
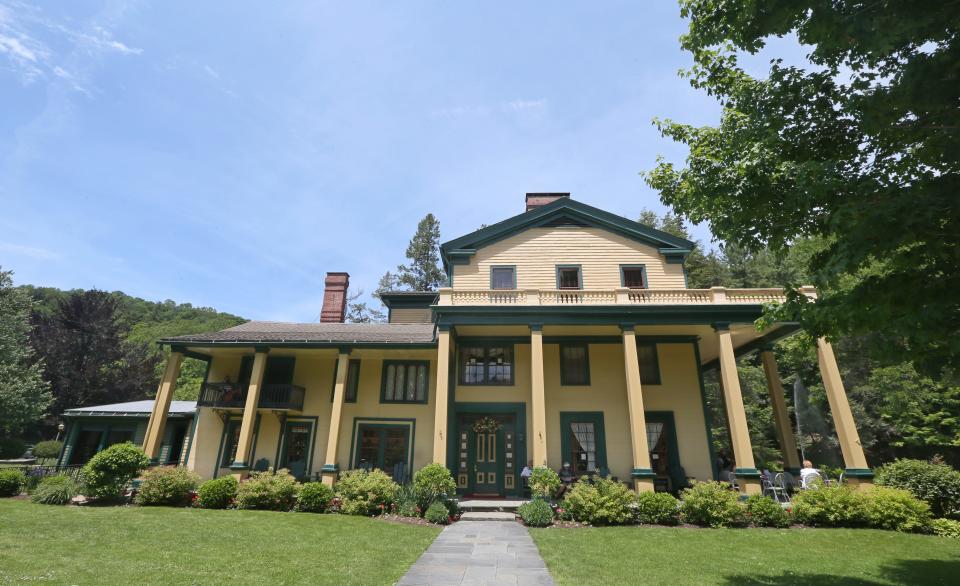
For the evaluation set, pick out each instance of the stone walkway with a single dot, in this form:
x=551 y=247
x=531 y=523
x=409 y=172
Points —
x=480 y=552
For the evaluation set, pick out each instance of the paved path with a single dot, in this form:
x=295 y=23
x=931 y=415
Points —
x=480 y=552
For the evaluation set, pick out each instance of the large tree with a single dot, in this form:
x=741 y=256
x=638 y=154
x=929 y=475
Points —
x=423 y=272
x=24 y=395
x=858 y=147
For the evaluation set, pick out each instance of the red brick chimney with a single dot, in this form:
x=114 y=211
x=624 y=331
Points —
x=535 y=200
x=334 y=298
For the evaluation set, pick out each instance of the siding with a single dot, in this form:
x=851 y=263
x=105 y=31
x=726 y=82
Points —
x=537 y=251
x=411 y=316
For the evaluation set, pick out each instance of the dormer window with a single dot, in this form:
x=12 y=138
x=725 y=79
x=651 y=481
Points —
x=633 y=277
x=568 y=277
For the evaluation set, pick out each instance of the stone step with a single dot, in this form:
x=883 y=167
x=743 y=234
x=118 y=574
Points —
x=490 y=505
x=487 y=516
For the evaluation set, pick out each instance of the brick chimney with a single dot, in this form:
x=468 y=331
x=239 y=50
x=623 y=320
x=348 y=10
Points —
x=535 y=200
x=334 y=298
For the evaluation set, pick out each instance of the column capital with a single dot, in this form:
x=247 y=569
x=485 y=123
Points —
x=721 y=326
x=444 y=327
x=536 y=327
x=261 y=349
x=627 y=327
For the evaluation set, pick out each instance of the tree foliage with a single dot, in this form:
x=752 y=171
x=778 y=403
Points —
x=24 y=394
x=423 y=272
x=858 y=148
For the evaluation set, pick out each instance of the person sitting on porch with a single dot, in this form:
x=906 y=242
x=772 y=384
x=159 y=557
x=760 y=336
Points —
x=809 y=476
x=227 y=389
x=567 y=478
x=525 y=476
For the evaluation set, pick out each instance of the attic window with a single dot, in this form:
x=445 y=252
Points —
x=568 y=278
x=633 y=277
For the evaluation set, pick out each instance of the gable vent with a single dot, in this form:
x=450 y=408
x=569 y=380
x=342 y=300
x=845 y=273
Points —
x=564 y=221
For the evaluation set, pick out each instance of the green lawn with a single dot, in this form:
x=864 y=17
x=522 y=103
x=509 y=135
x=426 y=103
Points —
x=126 y=545
x=822 y=557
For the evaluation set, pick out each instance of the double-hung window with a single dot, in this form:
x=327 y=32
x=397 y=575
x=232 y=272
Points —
x=405 y=381
x=486 y=365
x=649 y=364
x=569 y=277
x=503 y=278
x=353 y=381
x=574 y=364
x=633 y=276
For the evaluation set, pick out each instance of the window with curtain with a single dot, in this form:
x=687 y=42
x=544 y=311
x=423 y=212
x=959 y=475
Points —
x=649 y=365
x=583 y=447
x=405 y=381
x=502 y=278
x=232 y=441
x=486 y=365
x=574 y=364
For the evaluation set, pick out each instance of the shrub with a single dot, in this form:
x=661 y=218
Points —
x=218 y=493
x=763 y=511
x=536 y=513
x=432 y=483
x=657 y=508
x=107 y=474
x=405 y=503
x=363 y=492
x=437 y=513
x=946 y=528
x=11 y=482
x=599 y=502
x=55 y=490
x=937 y=484
x=47 y=450
x=167 y=485
x=268 y=491
x=314 y=497
x=11 y=447
x=897 y=510
x=831 y=506
x=544 y=482
x=711 y=504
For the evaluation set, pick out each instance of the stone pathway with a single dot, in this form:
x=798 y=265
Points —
x=480 y=552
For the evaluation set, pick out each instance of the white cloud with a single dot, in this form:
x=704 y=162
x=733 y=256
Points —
x=520 y=105
x=29 y=251
x=512 y=107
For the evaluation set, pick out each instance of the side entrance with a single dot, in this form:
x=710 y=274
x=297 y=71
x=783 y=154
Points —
x=490 y=448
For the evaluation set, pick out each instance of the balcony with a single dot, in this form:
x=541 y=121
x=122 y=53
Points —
x=572 y=297
x=234 y=396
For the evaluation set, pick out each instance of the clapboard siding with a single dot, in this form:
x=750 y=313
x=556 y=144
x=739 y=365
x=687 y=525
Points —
x=411 y=316
x=536 y=252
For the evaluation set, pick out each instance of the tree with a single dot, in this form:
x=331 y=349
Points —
x=359 y=312
x=86 y=358
x=423 y=273
x=24 y=395
x=859 y=149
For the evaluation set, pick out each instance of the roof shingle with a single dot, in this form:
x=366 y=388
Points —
x=270 y=331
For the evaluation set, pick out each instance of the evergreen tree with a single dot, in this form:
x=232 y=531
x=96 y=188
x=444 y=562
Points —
x=24 y=395
x=359 y=312
x=423 y=272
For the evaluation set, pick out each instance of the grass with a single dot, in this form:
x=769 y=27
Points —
x=115 y=545
x=824 y=557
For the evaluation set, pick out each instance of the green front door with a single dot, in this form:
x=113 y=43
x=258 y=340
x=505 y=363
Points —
x=487 y=462
x=296 y=447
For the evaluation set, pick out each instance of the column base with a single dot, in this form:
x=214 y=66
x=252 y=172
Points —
x=748 y=479
x=858 y=478
x=328 y=474
x=643 y=479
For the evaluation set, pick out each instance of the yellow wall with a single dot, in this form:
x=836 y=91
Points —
x=679 y=393
x=537 y=251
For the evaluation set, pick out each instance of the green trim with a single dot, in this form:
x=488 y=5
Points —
x=462 y=248
x=289 y=344
x=643 y=275
x=486 y=344
x=282 y=442
x=492 y=340
x=586 y=364
x=707 y=418
x=579 y=268
x=408 y=422
x=642 y=473
x=383 y=380
x=329 y=469
x=746 y=472
x=858 y=472
x=674 y=465
x=513 y=268
x=596 y=314
x=193 y=433
x=238 y=419
x=594 y=417
x=408 y=299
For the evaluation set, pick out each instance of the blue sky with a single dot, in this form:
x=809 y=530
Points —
x=229 y=154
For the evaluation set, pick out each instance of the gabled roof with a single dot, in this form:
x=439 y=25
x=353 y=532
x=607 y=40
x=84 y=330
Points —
x=565 y=211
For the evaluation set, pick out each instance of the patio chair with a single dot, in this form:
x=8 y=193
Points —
x=812 y=481
x=732 y=479
x=777 y=488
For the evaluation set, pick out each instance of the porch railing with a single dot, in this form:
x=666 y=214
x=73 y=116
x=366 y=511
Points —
x=620 y=296
x=234 y=395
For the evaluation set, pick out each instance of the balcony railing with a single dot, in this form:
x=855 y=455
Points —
x=715 y=295
x=234 y=395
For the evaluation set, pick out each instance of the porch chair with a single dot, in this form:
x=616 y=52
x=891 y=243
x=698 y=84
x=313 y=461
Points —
x=732 y=479
x=777 y=488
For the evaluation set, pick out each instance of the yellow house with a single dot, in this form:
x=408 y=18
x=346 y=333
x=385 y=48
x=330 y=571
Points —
x=565 y=334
